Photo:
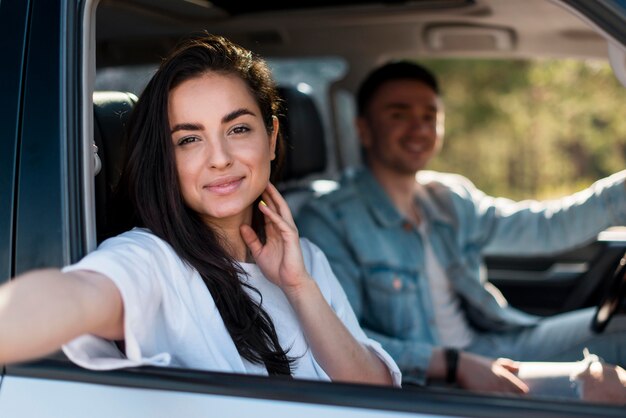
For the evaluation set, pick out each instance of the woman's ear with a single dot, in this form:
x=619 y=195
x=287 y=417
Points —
x=274 y=136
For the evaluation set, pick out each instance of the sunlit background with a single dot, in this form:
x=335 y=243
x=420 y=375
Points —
x=531 y=129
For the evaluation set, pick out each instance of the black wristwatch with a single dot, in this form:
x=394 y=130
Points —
x=452 y=362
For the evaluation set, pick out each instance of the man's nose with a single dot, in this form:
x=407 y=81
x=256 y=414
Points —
x=419 y=125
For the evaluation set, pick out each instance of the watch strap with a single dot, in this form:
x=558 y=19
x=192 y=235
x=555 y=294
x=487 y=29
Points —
x=452 y=362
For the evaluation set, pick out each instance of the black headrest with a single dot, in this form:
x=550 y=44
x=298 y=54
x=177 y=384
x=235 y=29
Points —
x=303 y=132
x=111 y=112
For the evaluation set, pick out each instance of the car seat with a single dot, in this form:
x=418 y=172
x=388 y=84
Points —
x=306 y=154
x=111 y=112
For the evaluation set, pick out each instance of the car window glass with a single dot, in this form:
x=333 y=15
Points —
x=540 y=129
x=527 y=129
x=127 y=78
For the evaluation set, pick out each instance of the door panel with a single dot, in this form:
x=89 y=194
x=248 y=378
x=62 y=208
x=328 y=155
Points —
x=54 y=389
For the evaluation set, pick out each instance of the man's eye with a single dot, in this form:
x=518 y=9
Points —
x=399 y=116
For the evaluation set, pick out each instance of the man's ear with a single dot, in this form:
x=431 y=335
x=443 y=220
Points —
x=363 y=129
x=441 y=119
x=274 y=137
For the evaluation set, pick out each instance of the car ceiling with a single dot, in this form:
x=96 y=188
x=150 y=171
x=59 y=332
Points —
x=135 y=31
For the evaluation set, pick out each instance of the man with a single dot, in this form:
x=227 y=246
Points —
x=408 y=252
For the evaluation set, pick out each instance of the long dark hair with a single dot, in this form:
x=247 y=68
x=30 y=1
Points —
x=149 y=184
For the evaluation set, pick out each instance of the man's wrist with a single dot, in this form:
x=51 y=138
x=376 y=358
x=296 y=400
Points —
x=452 y=362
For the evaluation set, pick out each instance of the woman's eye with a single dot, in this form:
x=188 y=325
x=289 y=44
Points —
x=187 y=140
x=238 y=130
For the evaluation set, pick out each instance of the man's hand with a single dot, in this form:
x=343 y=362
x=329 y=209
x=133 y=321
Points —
x=482 y=374
x=601 y=382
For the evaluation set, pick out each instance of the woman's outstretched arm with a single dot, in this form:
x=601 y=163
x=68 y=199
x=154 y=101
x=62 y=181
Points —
x=43 y=309
x=341 y=355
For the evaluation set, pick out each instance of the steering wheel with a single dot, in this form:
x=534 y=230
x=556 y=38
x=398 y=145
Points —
x=613 y=300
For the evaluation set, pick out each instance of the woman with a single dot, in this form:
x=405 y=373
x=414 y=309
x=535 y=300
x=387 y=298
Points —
x=213 y=275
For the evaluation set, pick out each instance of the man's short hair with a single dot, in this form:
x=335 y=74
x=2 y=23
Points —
x=394 y=70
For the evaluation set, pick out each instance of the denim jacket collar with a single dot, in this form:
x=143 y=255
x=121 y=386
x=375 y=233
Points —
x=429 y=198
x=380 y=205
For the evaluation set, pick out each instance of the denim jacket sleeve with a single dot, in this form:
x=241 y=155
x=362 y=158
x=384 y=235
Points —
x=503 y=226
x=317 y=224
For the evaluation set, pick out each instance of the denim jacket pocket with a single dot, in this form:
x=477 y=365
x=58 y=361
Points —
x=392 y=303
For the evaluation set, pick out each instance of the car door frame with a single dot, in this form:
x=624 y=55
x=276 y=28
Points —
x=48 y=227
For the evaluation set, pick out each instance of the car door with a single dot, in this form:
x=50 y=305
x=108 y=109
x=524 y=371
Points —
x=45 y=222
x=12 y=38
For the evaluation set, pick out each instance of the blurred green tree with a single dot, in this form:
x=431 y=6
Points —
x=531 y=129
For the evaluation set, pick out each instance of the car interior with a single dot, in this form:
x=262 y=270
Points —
x=341 y=41
x=316 y=123
x=360 y=33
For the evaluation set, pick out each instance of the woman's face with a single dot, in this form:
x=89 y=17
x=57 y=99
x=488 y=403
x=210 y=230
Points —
x=221 y=146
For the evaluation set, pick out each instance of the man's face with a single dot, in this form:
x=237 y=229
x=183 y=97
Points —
x=402 y=128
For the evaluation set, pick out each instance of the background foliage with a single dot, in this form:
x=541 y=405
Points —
x=531 y=129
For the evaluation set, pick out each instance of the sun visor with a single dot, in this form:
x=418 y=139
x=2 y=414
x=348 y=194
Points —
x=460 y=37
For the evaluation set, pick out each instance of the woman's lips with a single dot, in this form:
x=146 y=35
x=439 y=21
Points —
x=224 y=185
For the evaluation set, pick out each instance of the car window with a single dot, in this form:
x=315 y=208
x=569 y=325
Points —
x=540 y=129
x=131 y=78
x=525 y=129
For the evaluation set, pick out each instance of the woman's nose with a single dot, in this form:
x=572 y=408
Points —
x=220 y=155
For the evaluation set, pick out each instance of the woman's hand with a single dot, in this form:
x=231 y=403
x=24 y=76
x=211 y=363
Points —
x=280 y=258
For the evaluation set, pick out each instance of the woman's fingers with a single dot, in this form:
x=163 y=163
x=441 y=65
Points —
x=267 y=199
x=275 y=218
x=251 y=239
x=281 y=204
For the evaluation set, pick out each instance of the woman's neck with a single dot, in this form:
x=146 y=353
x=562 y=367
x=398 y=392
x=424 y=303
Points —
x=229 y=231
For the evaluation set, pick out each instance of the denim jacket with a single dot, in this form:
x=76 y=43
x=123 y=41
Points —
x=378 y=256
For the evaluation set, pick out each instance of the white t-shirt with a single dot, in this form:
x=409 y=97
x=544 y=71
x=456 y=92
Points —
x=452 y=325
x=170 y=318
